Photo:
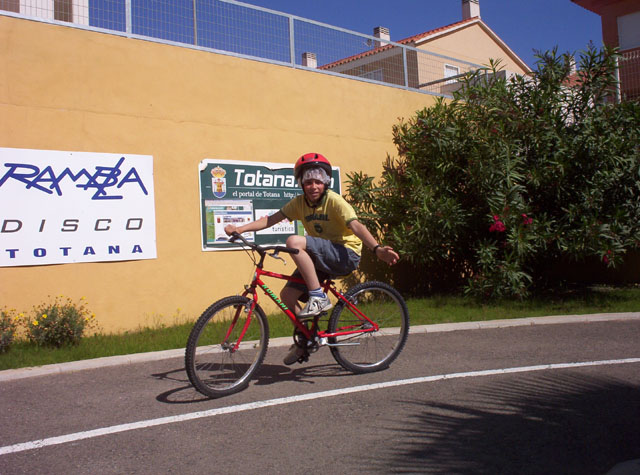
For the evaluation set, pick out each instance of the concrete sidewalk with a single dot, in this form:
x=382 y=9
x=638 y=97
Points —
x=13 y=374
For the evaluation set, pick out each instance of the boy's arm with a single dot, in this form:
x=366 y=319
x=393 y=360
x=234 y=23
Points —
x=385 y=253
x=257 y=225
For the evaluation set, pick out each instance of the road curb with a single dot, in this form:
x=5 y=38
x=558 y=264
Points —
x=521 y=322
x=14 y=374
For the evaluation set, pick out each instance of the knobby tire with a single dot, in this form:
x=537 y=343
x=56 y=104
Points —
x=376 y=350
x=212 y=365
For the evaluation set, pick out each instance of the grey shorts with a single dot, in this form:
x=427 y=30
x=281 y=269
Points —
x=331 y=260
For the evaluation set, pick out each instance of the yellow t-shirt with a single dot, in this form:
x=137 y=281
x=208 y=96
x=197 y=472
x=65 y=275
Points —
x=327 y=220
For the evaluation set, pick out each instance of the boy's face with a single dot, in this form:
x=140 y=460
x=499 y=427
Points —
x=313 y=190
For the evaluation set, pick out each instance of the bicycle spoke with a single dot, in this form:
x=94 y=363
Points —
x=371 y=350
x=214 y=365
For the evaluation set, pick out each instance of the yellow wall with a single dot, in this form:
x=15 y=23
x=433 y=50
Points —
x=67 y=89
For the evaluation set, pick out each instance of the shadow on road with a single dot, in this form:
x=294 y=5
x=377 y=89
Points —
x=564 y=423
x=268 y=374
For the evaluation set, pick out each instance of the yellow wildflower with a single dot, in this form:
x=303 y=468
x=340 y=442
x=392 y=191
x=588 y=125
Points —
x=35 y=323
x=44 y=316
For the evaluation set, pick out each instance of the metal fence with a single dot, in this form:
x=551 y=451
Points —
x=629 y=75
x=231 y=27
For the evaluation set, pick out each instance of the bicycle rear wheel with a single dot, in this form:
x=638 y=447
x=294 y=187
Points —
x=376 y=350
x=214 y=365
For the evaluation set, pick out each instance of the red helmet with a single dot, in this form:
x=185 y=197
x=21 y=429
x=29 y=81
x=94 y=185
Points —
x=311 y=160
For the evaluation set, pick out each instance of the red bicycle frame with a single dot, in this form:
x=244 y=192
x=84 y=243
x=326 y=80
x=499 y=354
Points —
x=327 y=286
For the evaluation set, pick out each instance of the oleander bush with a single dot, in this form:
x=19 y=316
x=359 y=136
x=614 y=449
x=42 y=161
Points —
x=491 y=189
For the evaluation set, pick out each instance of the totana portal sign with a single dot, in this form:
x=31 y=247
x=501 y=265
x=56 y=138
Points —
x=237 y=192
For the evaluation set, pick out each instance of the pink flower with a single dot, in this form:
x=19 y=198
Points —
x=497 y=226
x=526 y=220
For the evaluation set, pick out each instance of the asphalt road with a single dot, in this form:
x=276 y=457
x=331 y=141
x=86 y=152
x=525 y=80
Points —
x=544 y=399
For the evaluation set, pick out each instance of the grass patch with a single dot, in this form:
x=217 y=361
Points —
x=24 y=354
x=452 y=309
x=438 y=309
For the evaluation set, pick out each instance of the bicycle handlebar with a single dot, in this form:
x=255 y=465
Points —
x=262 y=250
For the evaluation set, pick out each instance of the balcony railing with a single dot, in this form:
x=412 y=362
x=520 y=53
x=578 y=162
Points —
x=247 y=31
x=629 y=75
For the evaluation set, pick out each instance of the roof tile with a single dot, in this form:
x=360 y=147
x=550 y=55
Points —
x=405 y=41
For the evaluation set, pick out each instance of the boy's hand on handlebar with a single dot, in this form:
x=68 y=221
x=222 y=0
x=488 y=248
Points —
x=387 y=254
x=230 y=229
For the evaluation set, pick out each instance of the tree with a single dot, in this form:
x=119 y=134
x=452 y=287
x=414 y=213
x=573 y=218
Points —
x=512 y=175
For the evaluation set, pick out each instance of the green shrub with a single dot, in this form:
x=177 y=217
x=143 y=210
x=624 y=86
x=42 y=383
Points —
x=59 y=323
x=512 y=176
x=8 y=328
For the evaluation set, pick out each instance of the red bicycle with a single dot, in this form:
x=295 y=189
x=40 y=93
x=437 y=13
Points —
x=366 y=331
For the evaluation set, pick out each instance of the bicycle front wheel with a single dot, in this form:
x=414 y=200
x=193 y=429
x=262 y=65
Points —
x=217 y=365
x=366 y=352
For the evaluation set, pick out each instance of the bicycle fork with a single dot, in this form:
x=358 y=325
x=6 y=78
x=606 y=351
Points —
x=248 y=309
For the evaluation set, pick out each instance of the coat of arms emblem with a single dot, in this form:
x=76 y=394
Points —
x=218 y=182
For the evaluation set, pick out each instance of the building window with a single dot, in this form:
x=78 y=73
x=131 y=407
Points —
x=10 y=5
x=63 y=10
x=629 y=31
x=450 y=71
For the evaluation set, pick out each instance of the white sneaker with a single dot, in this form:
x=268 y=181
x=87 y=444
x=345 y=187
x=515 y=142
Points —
x=315 y=306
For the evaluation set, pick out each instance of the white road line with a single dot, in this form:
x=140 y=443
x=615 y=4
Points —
x=63 y=439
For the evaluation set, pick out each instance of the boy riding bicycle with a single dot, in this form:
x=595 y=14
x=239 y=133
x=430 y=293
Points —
x=333 y=243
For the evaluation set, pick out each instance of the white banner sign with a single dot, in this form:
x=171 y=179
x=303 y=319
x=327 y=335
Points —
x=63 y=207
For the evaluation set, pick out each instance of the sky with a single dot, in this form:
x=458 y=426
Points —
x=524 y=25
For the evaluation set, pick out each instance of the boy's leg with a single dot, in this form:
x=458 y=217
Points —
x=303 y=261
x=326 y=257
x=318 y=301
x=290 y=295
